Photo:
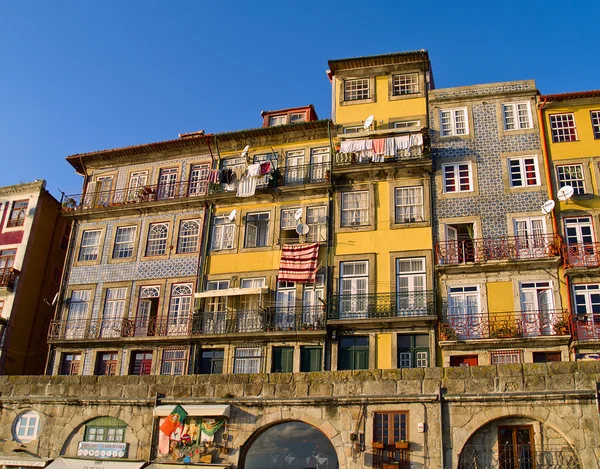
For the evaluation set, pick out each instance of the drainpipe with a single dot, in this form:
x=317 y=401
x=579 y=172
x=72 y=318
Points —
x=330 y=235
x=442 y=455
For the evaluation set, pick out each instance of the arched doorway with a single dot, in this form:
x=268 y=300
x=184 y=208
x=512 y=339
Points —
x=517 y=443
x=290 y=445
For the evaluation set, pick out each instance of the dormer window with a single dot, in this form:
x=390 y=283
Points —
x=297 y=117
x=277 y=120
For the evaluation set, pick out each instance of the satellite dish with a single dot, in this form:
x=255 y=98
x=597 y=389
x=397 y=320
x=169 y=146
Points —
x=298 y=214
x=565 y=193
x=245 y=151
x=302 y=229
x=368 y=122
x=548 y=207
x=232 y=215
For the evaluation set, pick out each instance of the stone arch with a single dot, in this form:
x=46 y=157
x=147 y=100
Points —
x=295 y=425
x=475 y=428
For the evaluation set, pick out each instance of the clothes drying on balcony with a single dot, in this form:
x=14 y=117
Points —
x=298 y=263
x=247 y=186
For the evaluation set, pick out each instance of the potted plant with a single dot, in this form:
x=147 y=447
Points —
x=504 y=331
x=446 y=332
x=562 y=327
x=69 y=204
x=391 y=465
x=402 y=444
x=377 y=445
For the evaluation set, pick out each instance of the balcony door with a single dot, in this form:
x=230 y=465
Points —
x=285 y=306
x=460 y=246
x=537 y=309
x=167 y=183
x=515 y=447
x=214 y=320
x=180 y=310
x=312 y=306
x=530 y=240
x=354 y=289
x=319 y=163
x=410 y=287
x=198 y=184
x=137 y=182
x=248 y=316
x=581 y=249
x=145 y=322
x=294 y=167
x=464 y=313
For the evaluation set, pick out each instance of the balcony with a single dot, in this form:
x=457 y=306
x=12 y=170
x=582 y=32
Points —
x=581 y=255
x=587 y=327
x=389 y=457
x=306 y=174
x=517 y=456
x=506 y=248
x=383 y=305
x=7 y=278
x=345 y=159
x=134 y=196
x=505 y=325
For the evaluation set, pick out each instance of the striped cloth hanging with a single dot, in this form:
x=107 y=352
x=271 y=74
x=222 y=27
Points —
x=298 y=263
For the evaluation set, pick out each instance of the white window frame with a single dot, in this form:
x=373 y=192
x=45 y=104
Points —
x=247 y=360
x=198 y=183
x=277 y=120
x=452 y=121
x=586 y=290
x=355 y=216
x=506 y=357
x=137 y=181
x=124 y=242
x=408 y=212
x=517 y=116
x=354 y=289
x=223 y=234
x=27 y=427
x=416 y=124
x=316 y=219
x=156 y=243
x=180 y=309
x=257 y=230
x=89 y=252
x=456 y=168
x=114 y=309
x=405 y=84
x=463 y=294
x=566 y=178
x=520 y=164
x=354 y=89
x=174 y=362
x=595 y=118
x=297 y=117
x=563 y=127
x=288 y=222
x=187 y=239
x=354 y=129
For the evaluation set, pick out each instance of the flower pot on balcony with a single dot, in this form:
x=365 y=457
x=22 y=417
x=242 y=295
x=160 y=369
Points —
x=402 y=444
x=390 y=465
x=378 y=445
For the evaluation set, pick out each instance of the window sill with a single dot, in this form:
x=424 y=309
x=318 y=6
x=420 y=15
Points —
x=351 y=229
x=356 y=101
x=257 y=249
x=122 y=260
x=566 y=141
x=414 y=224
x=450 y=138
x=399 y=97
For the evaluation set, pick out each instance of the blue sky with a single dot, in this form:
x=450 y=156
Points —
x=83 y=75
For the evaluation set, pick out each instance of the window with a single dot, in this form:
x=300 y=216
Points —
x=595 y=116
x=587 y=302
x=454 y=122
x=464 y=313
x=464 y=360
x=320 y=163
x=77 y=314
x=316 y=219
x=457 y=177
x=137 y=182
x=211 y=361
x=257 y=230
x=114 y=308
x=297 y=117
x=167 y=183
x=523 y=171
x=353 y=353
x=283 y=360
x=390 y=427
x=222 y=234
x=405 y=84
x=311 y=359
x=70 y=364
x=7 y=258
x=410 y=286
x=516 y=116
x=173 y=362
x=27 y=426
x=413 y=351
x=105 y=429
x=55 y=283
x=106 y=364
x=277 y=120
x=17 y=214
x=189 y=231
x=295 y=171
x=145 y=321
x=356 y=89
x=563 y=128
x=505 y=357
x=409 y=204
x=354 y=129
x=355 y=209
x=157 y=239
x=354 y=288
x=66 y=234
x=247 y=360
x=90 y=245
x=407 y=125
x=288 y=221
x=545 y=357
x=571 y=175
x=141 y=363
x=124 y=242
x=180 y=309
x=198 y=179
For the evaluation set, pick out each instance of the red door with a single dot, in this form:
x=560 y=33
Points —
x=463 y=360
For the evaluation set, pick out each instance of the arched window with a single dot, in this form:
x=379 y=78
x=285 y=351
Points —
x=26 y=426
x=291 y=444
x=188 y=236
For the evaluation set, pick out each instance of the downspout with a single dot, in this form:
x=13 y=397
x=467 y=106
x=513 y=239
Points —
x=441 y=410
x=330 y=234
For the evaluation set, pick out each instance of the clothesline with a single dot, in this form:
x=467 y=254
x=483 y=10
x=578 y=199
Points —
x=378 y=148
x=241 y=178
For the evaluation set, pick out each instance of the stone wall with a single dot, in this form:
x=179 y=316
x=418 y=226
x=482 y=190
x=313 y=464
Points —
x=557 y=399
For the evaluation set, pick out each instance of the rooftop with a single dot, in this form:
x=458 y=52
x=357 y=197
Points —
x=336 y=65
x=572 y=95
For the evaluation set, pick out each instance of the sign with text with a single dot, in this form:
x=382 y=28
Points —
x=100 y=449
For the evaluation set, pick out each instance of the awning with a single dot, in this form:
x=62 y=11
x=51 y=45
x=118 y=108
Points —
x=194 y=411
x=232 y=292
x=72 y=463
x=21 y=461
x=186 y=466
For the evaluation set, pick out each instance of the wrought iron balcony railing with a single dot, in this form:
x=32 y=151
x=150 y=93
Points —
x=465 y=325
x=14 y=222
x=507 y=248
x=518 y=457
x=586 y=327
x=7 y=278
x=306 y=174
x=136 y=195
x=264 y=182
x=201 y=323
x=382 y=305
x=582 y=255
x=413 y=153
x=389 y=457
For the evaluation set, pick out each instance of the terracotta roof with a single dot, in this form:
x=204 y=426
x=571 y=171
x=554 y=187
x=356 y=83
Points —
x=289 y=109
x=375 y=60
x=573 y=95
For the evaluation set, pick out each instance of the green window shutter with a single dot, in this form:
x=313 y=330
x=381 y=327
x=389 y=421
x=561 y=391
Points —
x=283 y=360
x=311 y=359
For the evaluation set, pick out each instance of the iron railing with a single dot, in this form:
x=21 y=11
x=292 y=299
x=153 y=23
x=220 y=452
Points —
x=137 y=195
x=7 y=277
x=382 y=305
x=461 y=325
x=264 y=182
x=518 y=457
x=582 y=255
x=413 y=153
x=14 y=222
x=391 y=458
x=510 y=248
x=306 y=174
x=200 y=323
x=586 y=327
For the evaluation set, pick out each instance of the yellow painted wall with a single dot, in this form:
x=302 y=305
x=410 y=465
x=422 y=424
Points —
x=382 y=108
x=500 y=297
x=384 y=351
